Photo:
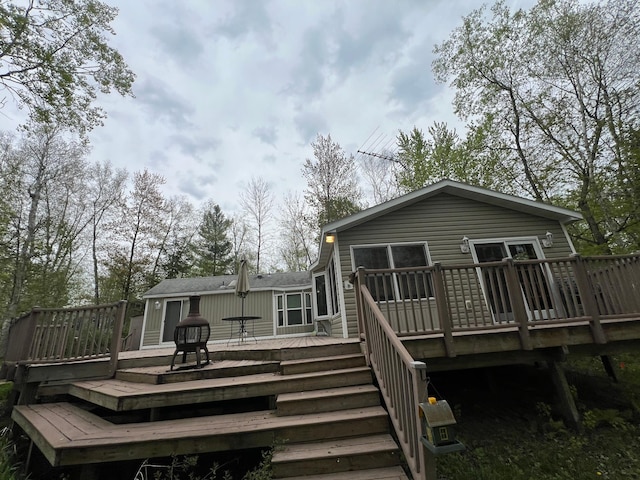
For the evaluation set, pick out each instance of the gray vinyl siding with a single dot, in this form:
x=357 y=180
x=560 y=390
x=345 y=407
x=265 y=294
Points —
x=215 y=307
x=442 y=221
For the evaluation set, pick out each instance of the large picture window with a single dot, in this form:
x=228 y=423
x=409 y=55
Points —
x=294 y=309
x=391 y=286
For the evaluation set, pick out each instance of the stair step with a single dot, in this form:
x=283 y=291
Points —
x=117 y=395
x=70 y=435
x=338 y=455
x=215 y=369
x=334 y=362
x=327 y=400
x=391 y=473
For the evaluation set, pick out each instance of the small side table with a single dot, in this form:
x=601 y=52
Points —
x=242 y=332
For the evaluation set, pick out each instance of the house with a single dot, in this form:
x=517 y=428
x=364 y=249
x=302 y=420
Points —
x=282 y=300
x=447 y=222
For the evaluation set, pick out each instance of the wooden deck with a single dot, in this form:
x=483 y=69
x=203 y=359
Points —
x=322 y=391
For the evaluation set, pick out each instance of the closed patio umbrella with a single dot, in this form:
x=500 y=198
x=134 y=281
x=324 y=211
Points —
x=242 y=284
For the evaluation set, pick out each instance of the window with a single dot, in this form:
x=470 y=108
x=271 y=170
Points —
x=294 y=309
x=386 y=286
x=326 y=292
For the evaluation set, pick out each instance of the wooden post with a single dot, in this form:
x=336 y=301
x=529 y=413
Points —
x=443 y=309
x=362 y=324
x=609 y=367
x=517 y=304
x=567 y=403
x=116 y=343
x=587 y=297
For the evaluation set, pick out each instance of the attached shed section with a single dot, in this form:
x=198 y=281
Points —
x=281 y=300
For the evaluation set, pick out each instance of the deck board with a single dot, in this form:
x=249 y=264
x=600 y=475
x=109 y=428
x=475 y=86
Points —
x=120 y=395
x=100 y=441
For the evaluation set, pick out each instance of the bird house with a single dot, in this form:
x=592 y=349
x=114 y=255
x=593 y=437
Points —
x=438 y=422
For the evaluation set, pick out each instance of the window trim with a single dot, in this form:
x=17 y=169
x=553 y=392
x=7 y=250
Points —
x=389 y=246
x=332 y=295
x=305 y=309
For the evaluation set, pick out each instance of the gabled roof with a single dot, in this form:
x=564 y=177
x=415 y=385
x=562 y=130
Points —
x=451 y=187
x=172 y=287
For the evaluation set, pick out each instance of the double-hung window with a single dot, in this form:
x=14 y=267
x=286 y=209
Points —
x=387 y=286
x=294 y=309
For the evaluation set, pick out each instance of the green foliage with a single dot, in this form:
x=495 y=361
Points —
x=442 y=154
x=186 y=467
x=518 y=435
x=212 y=248
x=332 y=189
x=554 y=89
x=55 y=57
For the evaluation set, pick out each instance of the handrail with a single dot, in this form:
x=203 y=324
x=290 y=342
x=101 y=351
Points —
x=446 y=299
x=57 y=335
x=399 y=378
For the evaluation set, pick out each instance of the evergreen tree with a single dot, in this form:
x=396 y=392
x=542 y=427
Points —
x=212 y=248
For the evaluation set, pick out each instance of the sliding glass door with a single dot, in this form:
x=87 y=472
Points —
x=534 y=279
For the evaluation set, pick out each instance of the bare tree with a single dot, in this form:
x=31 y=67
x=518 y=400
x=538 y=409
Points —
x=239 y=233
x=257 y=201
x=332 y=186
x=381 y=175
x=136 y=236
x=298 y=245
x=105 y=193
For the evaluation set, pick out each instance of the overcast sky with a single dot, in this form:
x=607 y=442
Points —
x=227 y=90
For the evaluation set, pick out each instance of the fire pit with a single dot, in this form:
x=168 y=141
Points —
x=191 y=335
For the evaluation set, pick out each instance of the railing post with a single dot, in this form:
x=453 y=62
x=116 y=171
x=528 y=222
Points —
x=362 y=324
x=29 y=338
x=118 y=324
x=587 y=297
x=425 y=464
x=443 y=310
x=517 y=304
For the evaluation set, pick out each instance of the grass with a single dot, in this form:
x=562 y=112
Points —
x=9 y=464
x=512 y=431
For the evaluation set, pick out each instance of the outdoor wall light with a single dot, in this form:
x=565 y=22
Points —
x=547 y=241
x=464 y=246
x=329 y=238
x=157 y=305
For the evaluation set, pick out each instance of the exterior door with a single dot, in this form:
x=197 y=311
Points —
x=534 y=281
x=172 y=316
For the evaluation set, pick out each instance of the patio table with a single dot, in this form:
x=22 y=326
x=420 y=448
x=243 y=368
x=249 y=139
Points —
x=242 y=331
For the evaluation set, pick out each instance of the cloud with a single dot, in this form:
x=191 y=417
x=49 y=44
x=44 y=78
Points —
x=247 y=17
x=267 y=134
x=162 y=102
x=179 y=42
x=309 y=124
x=193 y=147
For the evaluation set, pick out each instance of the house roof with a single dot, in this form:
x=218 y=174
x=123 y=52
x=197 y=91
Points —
x=226 y=284
x=451 y=187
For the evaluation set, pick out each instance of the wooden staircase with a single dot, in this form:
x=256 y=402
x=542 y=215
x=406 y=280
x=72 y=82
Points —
x=318 y=406
x=366 y=456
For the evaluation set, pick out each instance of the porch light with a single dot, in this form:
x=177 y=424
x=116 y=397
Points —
x=548 y=240
x=464 y=246
x=329 y=238
x=157 y=305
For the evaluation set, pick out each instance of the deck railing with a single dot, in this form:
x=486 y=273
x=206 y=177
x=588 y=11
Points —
x=392 y=303
x=451 y=298
x=400 y=378
x=54 y=335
